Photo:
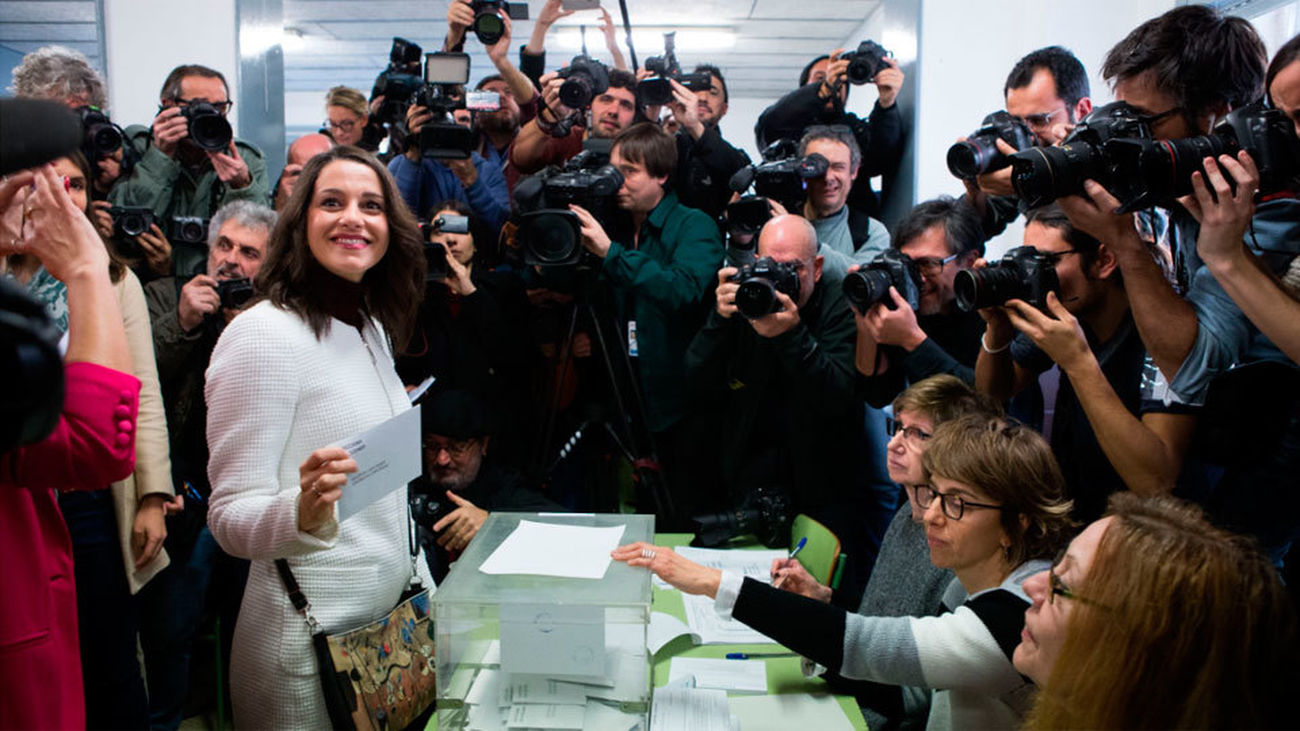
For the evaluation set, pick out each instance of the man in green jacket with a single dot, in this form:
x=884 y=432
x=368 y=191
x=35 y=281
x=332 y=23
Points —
x=661 y=278
x=174 y=176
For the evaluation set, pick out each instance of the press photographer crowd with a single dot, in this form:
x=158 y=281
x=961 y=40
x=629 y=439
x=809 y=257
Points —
x=1063 y=477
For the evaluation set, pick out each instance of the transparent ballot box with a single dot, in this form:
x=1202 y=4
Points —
x=519 y=651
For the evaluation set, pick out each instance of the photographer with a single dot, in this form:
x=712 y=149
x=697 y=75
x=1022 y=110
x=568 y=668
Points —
x=1184 y=70
x=823 y=90
x=348 y=120
x=608 y=113
x=300 y=151
x=1106 y=435
x=1048 y=90
x=179 y=174
x=840 y=227
x=785 y=383
x=461 y=484
x=897 y=345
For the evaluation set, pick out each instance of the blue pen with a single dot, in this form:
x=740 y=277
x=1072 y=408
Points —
x=756 y=655
x=797 y=548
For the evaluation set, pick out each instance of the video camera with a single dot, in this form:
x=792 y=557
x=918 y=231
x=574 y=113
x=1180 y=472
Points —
x=1040 y=175
x=765 y=513
x=549 y=232
x=782 y=175
x=870 y=284
x=435 y=253
x=978 y=153
x=657 y=89
x=397 y=84
x=443 y=92
x=488 y=25
x=1024 y=273
x=759 y=283
x=865 y=62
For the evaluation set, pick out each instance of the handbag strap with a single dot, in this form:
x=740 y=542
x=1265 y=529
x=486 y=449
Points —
x=296 y=597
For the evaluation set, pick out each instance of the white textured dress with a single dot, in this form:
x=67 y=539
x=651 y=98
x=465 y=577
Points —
x=275 y=394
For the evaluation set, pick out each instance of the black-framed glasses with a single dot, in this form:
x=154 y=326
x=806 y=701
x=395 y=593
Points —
x=910 y=433
x=954 y=505
x=1042 y=119
x=1150 y=120
x=931 y=266
x=222 y=107
x=1056 y=255
x=1058 y=587
x=454 y=447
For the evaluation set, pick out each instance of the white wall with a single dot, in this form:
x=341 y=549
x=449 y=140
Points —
x=147 y=38
x=967 y=49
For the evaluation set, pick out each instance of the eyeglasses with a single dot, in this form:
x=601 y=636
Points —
x=1055 y=256
x=1043 y=119
x=1150 y=120
x=453 y=447
x=910 y=433
x=346 y=125
x=1058 y=587
x=931 y=266
x=222 y=107
x=954 y=505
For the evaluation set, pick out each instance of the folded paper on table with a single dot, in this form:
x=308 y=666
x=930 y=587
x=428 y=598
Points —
x=387 y=457
x=675 y=709
x=711 y=629
x=549 y=549
x=737 y=676
x=794 y=710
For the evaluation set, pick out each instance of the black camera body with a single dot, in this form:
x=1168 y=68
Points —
x=399 y=82
x=549 y=232
x=744 y=218
x=585 y=78
x=870 y=284
x=128 y=223
x=435 y=260
x=759 y=283
x=234 y=293
x=488 y=26
x=188 y=230
x=765 y=512
x=29 y=357
x=657 y=90
x=979 y=154
x=1157 y=172
x=782 y=176
x=1040 y=175
x=428 y=505
x=442 y=137
x=867 y=60
x=103 y=138
x=1024 y=273
x=208 y=128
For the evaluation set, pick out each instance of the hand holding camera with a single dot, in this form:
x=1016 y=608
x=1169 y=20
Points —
x=888 y=82
x=199 y=299
x=685 y=110
x=1223 y=212
x=230 y=167
x=1055 y=331
x=169 y=128
x=725 y=295
x=156 y=249
x=594 y=237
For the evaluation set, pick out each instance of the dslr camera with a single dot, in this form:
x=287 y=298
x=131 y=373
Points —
x=1156 y=172
x=103 y=138
x=782 y=175
x=208 y=128
x=744 y=218
x=549 y=232
x=234 y=293
x=128 y=223
x=1024 y=273
x=585 y=78
x=870 y=284
x=1040 y=175
x=29 y=350
x=979 y=154
x=759 y=283
x=397 y=84
x=867 y=60
x=488 y=26
x=657 y=90
x=443 y=91
x=764 y=512
x=188 y=230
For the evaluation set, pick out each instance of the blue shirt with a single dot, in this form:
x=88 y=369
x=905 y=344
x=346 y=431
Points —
x=430 y=182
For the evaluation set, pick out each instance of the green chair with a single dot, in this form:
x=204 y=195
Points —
x=821 y=554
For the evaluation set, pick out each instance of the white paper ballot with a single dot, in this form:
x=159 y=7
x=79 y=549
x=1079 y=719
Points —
x=548 y=717
x=547 y=549
x=534 y=689
x=551 y=640
x=601 y=717
x=415 y=393
x=711 y=629
x=688 y=709
x=665 y=628
x=387 y=457
x=739 y=676
x=793 y=710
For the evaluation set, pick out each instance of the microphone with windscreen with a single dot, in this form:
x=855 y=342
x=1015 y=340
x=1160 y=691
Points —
x=34 y=132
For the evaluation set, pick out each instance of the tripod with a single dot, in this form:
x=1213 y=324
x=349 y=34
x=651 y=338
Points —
x=625 y=425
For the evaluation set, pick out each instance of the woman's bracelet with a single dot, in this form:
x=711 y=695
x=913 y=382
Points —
x=984 y=343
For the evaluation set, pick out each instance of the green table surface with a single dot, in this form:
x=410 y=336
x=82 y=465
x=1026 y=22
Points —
x=783 y=673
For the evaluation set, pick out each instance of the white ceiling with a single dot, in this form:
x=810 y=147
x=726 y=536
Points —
x=347 y=41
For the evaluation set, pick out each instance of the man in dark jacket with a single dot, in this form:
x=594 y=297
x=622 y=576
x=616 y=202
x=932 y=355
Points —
x=705 y=161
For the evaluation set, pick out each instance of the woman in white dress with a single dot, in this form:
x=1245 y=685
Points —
x=307 y=367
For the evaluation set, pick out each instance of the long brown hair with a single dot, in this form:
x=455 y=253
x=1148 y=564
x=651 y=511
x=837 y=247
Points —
x=1180 y=625
x=393 y=286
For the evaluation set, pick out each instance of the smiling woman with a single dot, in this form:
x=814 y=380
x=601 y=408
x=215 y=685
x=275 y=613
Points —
x=312 y=365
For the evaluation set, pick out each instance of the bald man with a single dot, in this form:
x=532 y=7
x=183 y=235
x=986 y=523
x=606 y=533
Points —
x=785 y=383
x=300 y=151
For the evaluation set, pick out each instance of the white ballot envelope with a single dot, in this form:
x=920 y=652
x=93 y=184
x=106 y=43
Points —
x=387 y=457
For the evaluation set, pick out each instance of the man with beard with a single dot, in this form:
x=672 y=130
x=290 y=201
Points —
x=609 y=113
x=460 y=485
x=705 y=161
x=898 y=346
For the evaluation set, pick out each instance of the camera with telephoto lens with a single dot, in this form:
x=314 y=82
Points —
x=979 y=154
x=442 y=137
x=103 y=138
x=234 y=293
x=397 y=84
x=744 y=218
x=585 y=78
x=488 y=25
x=208 y=128
x=1040 y=175
x=657 y=89
x=188 y=230
x=759 y=283
x=870 y=284
x=765 y=513
x=1024 y=273
x=128 y=223
x=782 y=176
x=550 y=233
x=865 y=62
x=1156 y=172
